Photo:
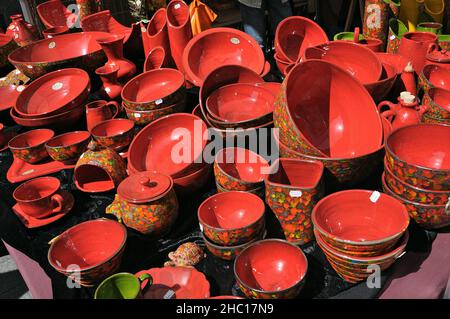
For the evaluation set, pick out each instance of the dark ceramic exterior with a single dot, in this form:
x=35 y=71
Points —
x=257 y=191
x=117 y=142
x=428 y=119
x=228 y=182
x=434 y=110
x=31 y=155
x=69 y=152
x=174 y=98
x=145 y=117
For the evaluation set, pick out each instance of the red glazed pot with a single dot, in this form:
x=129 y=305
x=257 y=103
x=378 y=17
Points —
x=380 y=89
x=294 y=34
x=143 y=118
x=403 y=113
x=438 y=102
x=331 y=116
x=292 y=190
x=99 y=111
x=73 y=50
x=418 y=154
x=30 y=146
x=116 y=133
x=156 y=59
x=154 y=90
x=156 y=33
x=232 y=218
x=271 y=269
x=438 y=57
x=54 y=93
x=21 y=31
x=218 y=46
x=54 y=13
x=68 y=147
x=360 y=222
x=96 y=246
x=111 y=88
x=434 y=76
x=55 y=31
x=375 y=45
x=414 y=46
x=7 y=45
x=425 y=215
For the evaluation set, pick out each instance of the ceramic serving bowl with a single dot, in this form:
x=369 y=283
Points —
x=375 y=45
x=418 y=155
x=154 y=89
x=7 y=45
x=30 y=146
x=143 y=118
x=232 y=218
x=218 y=46
x=115 y=133
x=433 y=76
x=68 y=147
x=331 y=116
x=194 y=180
x=380 y=89
x=73 y=50
x=279 y=274
x=428 y=216
x=95 y=246
x=239 y=169
x=54 y=93
x=360 y=222
x=438 y=101
x=294 y=34
x=53 y=13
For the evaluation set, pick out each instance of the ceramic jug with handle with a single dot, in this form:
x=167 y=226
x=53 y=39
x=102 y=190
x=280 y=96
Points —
x=406 y=112
x=99 y=111
x=414 y=46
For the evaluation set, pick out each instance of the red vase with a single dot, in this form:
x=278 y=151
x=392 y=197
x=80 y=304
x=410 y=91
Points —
x=111 y=88
x=113 y=47
x=21 y=31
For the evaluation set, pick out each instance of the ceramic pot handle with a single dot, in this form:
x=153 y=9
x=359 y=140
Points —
x=422 y=109
x=149 y=278
x=389 y=115
x=390 y=106
x=114 y=107
x=432 y=47
x=58 y=200
x=356 y=35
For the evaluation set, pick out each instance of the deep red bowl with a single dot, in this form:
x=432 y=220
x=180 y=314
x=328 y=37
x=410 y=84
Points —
x=218 y=47
x=154 y=89
x=54 y=13
x=420 y=155
x=54 y=93
x=155 y=59
x=69 y=146
x=72 y=50
x=95 y=246
x=115 y=133
x=193 y=181
x=143 y=118
x=381 y=88
x=271 y=268
x=232 y=218
x=7 y=45
x=438 y=101
x=294 y=35
x=360 y=222
x=30 y=146
x=152 y=147
x=434 y=76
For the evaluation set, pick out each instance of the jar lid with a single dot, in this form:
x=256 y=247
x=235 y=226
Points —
x=144 y=187
x=442 y=56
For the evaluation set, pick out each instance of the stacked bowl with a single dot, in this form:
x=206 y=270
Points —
x=358 y=229
x=437 y=101
x=417 y=172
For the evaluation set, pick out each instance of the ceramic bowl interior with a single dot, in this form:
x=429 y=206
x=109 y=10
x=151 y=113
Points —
x=36 y=189
x=113 y=127
x=69 y=139
x=53 y=13
x=297 y=173
x=93 y=179
x=104 y=21
x=440 y=97
x=177 y=13
x=155 y=59
x=437 y=76
x=157 y=23
x=31 y=139
x=380 y=89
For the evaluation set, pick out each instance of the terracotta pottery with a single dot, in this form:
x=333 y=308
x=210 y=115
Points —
x=396 y=31
x=402 y=114
x=375 y=45
x=426 y=118
x=439 y=57
x=99 y=169
x=232 y=218
x=193 y=181
x=54 y=93
x=311 y=117
x=154 y=89
x=54 y=31
x=143 y=118
x=146 y=202
x=99 y=111
x=279 y=274
x=30 y=146
x=217 y=47
x=21 y=31
x=115 y=133
x=7 y=45
x=414 y=46
x=434 y=76
x=380 y=89
x=438 y=102
x=39 y=197
x=96 y=246
x=156 y=59
x=428 y=216
x=73 y=50
x=111 y=88
x=283 y=66
x=417 y=155
x=54 y=13
x=9 y=94
x=294 y=34
x=186 y=255
x=123 y=286
x=68 y=147
x=292 y=190
x=156 y=33
x=375 y=20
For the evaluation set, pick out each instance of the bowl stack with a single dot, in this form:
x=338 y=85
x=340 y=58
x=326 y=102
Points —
x=358 y=229
x=438 y=102
x=417 y=172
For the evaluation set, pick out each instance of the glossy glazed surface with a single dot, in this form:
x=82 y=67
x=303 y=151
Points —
x=30 y=146
x=438 y=101
x=68 y=146
x=414 y=46
x=53 y=13
x=99 y=111
x=380 y=89
x=9 y=94
x=116 y=133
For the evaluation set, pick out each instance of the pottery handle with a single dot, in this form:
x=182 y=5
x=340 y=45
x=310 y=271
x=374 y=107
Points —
x=58 y=200
x=432 y=47
x=146 y=276
x=114 y=107
x=390 y=106
x=356 y=35
x=422 y=109
x=389 y=115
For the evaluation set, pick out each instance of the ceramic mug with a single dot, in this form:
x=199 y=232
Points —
x=123 y=286
x=39 y=197
x=99 y=111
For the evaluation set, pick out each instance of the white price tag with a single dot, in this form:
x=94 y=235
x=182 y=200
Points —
x=375 y=196
x=295 y=193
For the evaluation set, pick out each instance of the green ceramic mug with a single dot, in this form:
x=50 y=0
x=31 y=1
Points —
x=433 y=27
x=346 y=36
x=122 y=286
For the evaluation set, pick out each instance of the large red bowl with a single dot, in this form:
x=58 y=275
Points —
x=159 y=146
x=218 y=47
x=7 y=45
x=381 y=88
x=357 y=60
x=271 y=268
x=89 y=252
x=54 y=13
x=434 y=76
x=331 y=115
x=54 y=93
x=294 y=35
x=73 y=50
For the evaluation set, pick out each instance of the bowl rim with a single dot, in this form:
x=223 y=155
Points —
x=41 y=178
x=262 y=242
x=433 y=90
x=51 y=132
x=173 y=3
x=128 y=110
x=208 y=242
x=113 y=120
x=69 y=133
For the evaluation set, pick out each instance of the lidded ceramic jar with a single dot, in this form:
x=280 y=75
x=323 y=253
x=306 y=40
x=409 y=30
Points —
x=438 y=57
x=146 y=202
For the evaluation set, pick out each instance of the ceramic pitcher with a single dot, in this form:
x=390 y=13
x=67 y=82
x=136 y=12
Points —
x=414 y=46
x=99 y=111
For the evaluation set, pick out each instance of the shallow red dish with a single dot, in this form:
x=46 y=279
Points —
x=9 y=95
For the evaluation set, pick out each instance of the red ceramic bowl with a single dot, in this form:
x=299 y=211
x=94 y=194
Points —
x=154 y=89
x=360 y=222
x=331 y=115
x=374 y=45
x=434 y=76
x=7 y=45
x=271 y=268
x=55 y=31
x=95 y=246
x=193 y=181
x=54 y=93
x=232 y=218
x=419 y=155
x=9 y=94
x=69 y=146
x=54 y=13
x=30 y=146
x=357 y=60
x=294 y=35
x=438 y=101
x=143 y=118
x=217 y=47
x=239 y=169
x=115 y=133
x=157 y=144
x=283 y=66
x=380 y=89
x=73 y=50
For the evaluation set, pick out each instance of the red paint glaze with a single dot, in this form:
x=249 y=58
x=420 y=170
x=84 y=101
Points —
x=156 y=59
x=283 y=66
x=380 y=89
x=55 y=31
x=396 y=60
x=22 y=32
x=192 y=182
x=438 y=101
x=402 y=114
x=30 y=146
x=434 y=76
x=111 y=88
x=372 y=44
x=143 y=118
x=414 y=46
x=53 y=13
x=68 y=146
x=156 y=33
x=436 y=57
x=116 y=133
x=9 y=94
x=99 y=111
